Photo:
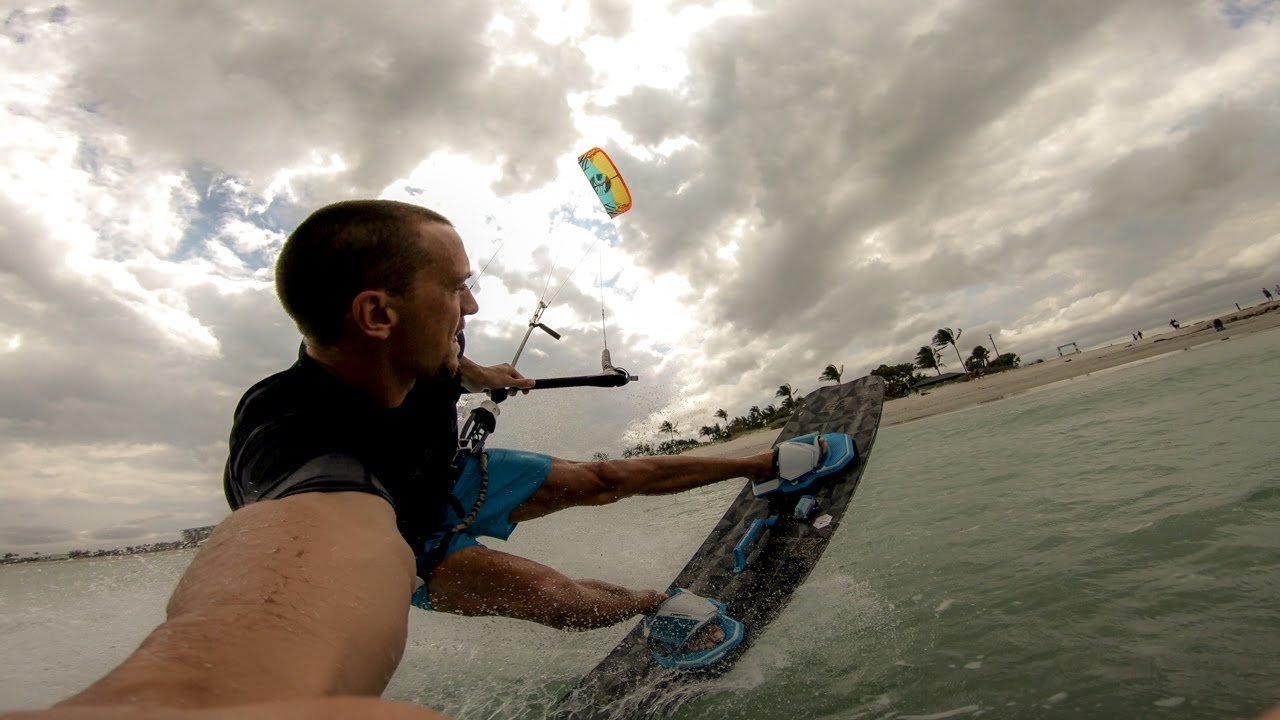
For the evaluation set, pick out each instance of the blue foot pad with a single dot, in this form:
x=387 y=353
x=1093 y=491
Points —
x=681 y=618
x=840 y=452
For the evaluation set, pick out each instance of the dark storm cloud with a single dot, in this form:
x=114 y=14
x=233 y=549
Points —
x=248 y=88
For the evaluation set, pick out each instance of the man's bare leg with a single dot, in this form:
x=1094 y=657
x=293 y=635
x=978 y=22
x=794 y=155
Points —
x=480 y=581
x=572 y=484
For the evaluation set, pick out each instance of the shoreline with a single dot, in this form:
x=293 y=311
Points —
x=938 y=400
x=957 y=396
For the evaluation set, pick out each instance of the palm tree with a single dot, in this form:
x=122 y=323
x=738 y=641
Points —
x=831 y=373
x=979 y=358
x=945 y=337
x=722 y=415
x=927 y=359
x=668 y=427
x=788 y=396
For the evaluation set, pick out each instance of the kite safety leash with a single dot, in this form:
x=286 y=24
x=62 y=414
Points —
x=482 y=421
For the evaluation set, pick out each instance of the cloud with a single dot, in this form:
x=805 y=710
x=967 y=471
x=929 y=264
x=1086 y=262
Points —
x=119 y=534
x=32 y=535
x=898 y=176
x=254 y=90
x=813 y=184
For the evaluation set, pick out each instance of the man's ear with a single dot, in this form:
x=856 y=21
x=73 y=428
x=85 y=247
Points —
x=373 y=313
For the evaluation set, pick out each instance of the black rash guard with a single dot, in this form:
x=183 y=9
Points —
x=303 y=430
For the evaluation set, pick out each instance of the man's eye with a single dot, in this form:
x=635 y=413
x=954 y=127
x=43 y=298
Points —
x=472 y=283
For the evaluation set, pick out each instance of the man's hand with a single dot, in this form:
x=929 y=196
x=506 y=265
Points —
x=477 y=378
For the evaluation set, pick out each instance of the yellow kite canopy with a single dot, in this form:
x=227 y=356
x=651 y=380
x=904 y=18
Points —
x=607 y=182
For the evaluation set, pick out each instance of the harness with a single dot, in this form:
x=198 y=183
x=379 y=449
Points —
x=480 y=423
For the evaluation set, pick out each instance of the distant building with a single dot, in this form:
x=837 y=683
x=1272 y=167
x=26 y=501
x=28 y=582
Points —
x=196 y=536
x=944 y=377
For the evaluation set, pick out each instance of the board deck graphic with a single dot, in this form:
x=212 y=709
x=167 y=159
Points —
x=629 y=683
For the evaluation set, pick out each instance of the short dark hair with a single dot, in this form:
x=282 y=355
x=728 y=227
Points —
x=344 y=249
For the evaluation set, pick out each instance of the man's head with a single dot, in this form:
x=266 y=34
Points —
x=380 y=271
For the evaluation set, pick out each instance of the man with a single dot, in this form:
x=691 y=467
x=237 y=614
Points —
x=347 y=504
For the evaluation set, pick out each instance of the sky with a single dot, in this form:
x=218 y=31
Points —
x=814 y=183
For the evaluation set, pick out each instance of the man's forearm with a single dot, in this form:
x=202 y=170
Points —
x=471 y=374
x=301 y=597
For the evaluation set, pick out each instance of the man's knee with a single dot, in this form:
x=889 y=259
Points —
x=604 y=482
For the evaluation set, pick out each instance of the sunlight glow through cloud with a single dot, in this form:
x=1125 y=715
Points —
x=1086 y=170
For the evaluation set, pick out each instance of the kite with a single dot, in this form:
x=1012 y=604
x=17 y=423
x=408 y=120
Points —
x=606 y=181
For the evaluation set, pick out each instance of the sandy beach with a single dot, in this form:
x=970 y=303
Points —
x=962 y=395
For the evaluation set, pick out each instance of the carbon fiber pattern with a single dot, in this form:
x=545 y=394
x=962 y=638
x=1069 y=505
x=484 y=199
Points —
x=628 y=683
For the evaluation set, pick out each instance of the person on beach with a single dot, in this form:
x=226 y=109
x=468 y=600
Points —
x=348 y=507
x=1174 y=324
x=1267 y=293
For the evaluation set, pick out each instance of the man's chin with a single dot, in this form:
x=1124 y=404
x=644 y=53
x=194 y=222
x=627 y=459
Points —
x=451 y=368
x=440 y=373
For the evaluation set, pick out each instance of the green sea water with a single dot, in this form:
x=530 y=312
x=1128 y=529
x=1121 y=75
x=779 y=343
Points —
x=1105 y=548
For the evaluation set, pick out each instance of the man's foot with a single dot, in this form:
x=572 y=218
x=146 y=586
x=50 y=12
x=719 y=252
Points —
x=705 y=639
x=688 y=631
x=801 y=461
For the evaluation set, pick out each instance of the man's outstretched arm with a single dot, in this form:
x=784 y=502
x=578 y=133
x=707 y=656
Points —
x=301 y=597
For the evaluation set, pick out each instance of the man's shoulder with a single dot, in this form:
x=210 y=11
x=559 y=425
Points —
x=286 y=393
x=282 y=423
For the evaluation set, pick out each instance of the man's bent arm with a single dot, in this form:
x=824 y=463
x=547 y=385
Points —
x=300 y=597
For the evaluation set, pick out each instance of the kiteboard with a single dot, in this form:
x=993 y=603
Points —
x=757 y=555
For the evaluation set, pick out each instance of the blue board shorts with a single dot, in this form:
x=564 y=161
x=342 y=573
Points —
x=514 y=476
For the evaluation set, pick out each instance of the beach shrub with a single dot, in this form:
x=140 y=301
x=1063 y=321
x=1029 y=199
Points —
x=1006 y=360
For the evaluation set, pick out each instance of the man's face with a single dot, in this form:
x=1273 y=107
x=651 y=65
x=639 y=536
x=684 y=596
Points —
x=435 y=313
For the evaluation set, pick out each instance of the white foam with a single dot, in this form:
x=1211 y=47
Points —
x=1170 y=702
x=946 y=604
x=940 y=716
x=1057 y=698
x=973 y=665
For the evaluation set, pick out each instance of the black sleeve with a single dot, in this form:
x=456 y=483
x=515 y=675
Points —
x=276 y=463
x=335 y=472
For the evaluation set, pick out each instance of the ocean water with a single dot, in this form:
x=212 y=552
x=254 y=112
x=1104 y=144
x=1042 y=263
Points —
x=1108 y=547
